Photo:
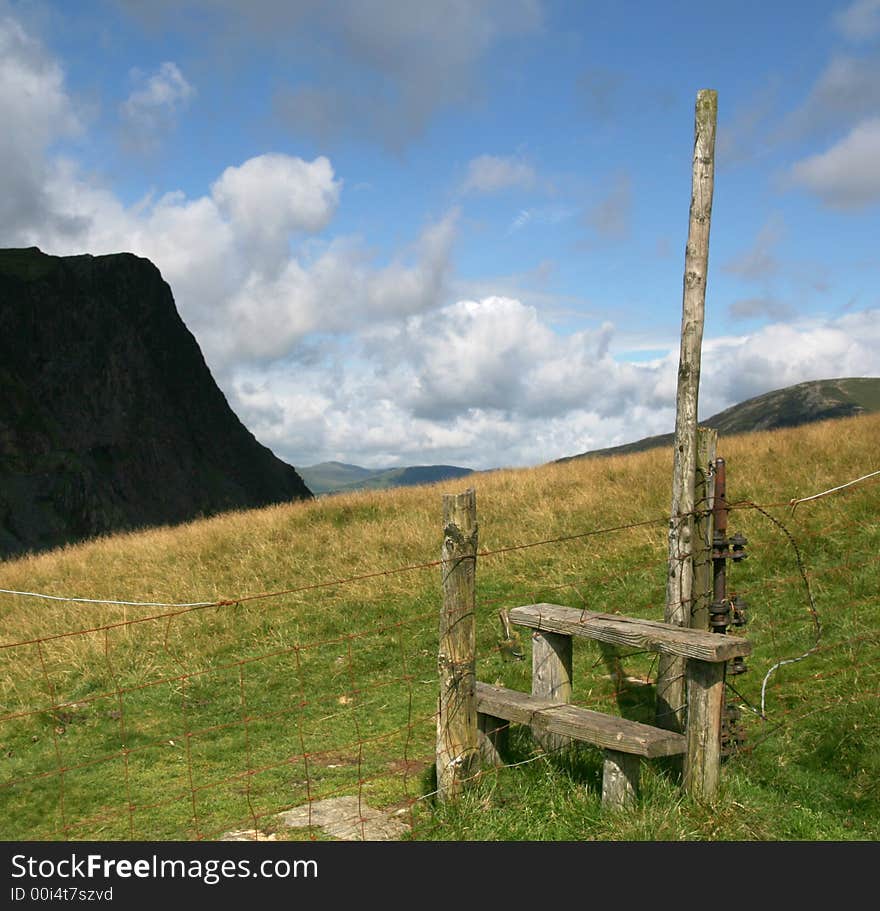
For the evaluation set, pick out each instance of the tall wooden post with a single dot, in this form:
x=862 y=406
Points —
x=671 y=709
x=457 y=715
x=704 y=498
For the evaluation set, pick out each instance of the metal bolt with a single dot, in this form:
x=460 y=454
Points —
x=739 y=542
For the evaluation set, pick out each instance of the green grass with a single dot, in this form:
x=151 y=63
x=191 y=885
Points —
x=864 y=391
x=121 y=722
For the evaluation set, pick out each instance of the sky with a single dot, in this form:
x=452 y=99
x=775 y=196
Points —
x=452 y=232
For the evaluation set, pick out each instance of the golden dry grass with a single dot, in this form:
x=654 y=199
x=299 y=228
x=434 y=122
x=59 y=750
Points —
x=379 y=632
x=241 y=554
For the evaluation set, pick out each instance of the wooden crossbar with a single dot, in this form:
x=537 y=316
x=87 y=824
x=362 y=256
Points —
x=648 y=635
x=605 y=731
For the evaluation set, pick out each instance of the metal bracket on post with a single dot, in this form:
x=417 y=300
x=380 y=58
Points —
x=726 y=610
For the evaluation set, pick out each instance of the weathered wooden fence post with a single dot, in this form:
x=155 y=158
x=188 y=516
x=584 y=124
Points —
x=671 y=687
x=457 y=714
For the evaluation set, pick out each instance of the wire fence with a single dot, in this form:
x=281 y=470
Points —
x=267 y=716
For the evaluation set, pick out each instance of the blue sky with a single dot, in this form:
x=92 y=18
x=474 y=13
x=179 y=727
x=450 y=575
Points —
x=411 y=233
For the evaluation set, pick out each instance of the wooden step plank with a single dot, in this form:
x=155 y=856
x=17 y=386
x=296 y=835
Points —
x=649 y=635
x=606 y=731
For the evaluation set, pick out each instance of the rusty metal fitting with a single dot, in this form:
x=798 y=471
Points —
x=719 y=615
x=737 y=666
x=738 y=542
x=740 y=608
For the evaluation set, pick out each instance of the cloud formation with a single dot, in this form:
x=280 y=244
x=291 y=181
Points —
x=36 y=112
x=327 y=352
x=394 y=65
x=846 y=176
x=149 y=112
x=860 y=21
x=846 y=92
x=487 y=383
x=490 y=173
x=249 y=274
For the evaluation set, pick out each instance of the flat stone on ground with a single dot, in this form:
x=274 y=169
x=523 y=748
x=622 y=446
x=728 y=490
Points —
x=345 y=818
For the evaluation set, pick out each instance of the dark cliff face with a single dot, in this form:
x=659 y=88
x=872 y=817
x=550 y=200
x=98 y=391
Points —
x=109 y=416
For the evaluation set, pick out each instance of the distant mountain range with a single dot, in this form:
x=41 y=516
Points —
x=817 y=400
x=337 y=477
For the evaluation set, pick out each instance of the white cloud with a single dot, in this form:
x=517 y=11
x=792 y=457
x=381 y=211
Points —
x=544 y=215
x=270 y=197
x=521 y=220
x=847 y=175
x=150 y=110
x=35 y=112
x=166 y=89
x=847 y=90
x=491 y=173
x=268 y=315
x=206 y=247
x=860 y=21
x=227 y=255
x=278 y=194
x=783 y=354
x=486 y=383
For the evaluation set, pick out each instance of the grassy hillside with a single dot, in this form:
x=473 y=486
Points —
x=800 y=404
x=327 y=476
x=816 y=400
x=332 y=477
x=153 y=722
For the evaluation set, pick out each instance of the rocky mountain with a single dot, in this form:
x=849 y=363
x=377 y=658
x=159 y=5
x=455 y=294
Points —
x=109 y=416
x=816 y=400
x=336 y=477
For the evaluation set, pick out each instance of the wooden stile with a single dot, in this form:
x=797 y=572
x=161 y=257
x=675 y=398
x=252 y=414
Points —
x=624 y=742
